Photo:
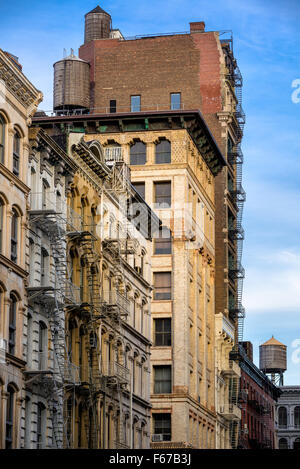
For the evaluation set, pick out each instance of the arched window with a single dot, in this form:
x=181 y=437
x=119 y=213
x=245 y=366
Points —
x=2 y=138
x=43 y=346
x=14 y=235
x=283 y=444
x=10 y=407
x=2 y=210
x=163 y=152
x=282 y=417
x=41 y=425
x=12 y=323
x=138 y=153
x=297 y=417
x=16 y=153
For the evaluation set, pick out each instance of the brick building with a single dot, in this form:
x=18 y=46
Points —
x=258 y=396
x=195 y=70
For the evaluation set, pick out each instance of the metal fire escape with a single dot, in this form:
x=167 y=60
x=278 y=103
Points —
x=235 y=158
x=56 y=373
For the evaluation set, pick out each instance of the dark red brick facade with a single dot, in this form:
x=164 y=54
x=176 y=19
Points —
x=257 y=399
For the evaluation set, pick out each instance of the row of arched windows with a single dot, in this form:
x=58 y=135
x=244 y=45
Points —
x=17 y=138
x=138 y=153
x=283 y=417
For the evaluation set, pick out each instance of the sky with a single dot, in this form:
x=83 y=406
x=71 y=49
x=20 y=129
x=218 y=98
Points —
x=267 y=47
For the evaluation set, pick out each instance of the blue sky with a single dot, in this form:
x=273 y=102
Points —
x=267 y=46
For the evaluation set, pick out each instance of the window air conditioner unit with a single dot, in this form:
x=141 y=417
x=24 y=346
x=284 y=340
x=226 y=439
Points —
x=157 y=437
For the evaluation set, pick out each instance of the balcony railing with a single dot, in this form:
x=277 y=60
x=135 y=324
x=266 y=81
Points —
x=230 y=412
x=113 y=154
x=116 y=370
x=114 y=298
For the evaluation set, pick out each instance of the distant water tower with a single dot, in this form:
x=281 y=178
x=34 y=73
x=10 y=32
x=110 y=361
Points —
x=97 y=25
x=71 y=84
x=272 y=360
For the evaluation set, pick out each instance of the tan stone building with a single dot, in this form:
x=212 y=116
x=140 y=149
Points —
x=175 y=175
x=18 y=102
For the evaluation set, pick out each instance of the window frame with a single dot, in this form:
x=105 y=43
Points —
x=16 y=152
x=133 y=106
x=12 y=324
x=164 y=418
x=140 y=184
x=164 y=333
x=136 y=156
x=167 y=290
x=160 y=153
x=112 y=106
x=162 y=381
x=173 y=105
x=14 y=235
x=162 y=240
x=10 y=409
x=162 y=199
x=2 y=138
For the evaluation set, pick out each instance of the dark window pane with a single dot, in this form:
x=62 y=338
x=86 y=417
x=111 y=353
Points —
x=162 y=286
x=162 y=379
x=163 y=193
x=162 y=328
x=112 y=106
x=16 y=154
x=163 y=152
x=2 y=139
x=140 y=188
x=175 y=101
x=162 y=425
x=135 y=103
x=138 y=153
x=163 y=242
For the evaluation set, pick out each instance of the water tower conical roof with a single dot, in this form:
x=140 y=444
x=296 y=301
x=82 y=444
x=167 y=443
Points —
x=273 y=341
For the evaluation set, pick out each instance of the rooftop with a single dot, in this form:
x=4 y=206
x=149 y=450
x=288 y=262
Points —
x=97 y=10
x=273 y=341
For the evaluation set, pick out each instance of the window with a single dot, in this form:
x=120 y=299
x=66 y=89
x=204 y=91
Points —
x=163 y=242
x=135 y=103
x=175 y=101
x=44 y=267
x=9 y=417
x=282 y=417
x=297 y=417
x=140 y=188
x=112 y=106
x=42 y=346
x=162 y=379
x=14 y=235
x=12 y=324
x=162 y=425
x=2 y=139
x=138 y=153
x=163 y=194
x=283 y=444
x=163 y=152
x=162 y=332
x=162 y=286
x=16 y=153
x=1 y=223
x=41 y=424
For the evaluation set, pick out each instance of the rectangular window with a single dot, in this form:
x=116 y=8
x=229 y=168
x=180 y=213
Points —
x=162 y=379
x=163 y=194
x=163 y=242
x=162 y=286
x=112 y=106
x=162 y=332
x=135 y=103
x=140 y=188
x=162 y=425
x=175 y=101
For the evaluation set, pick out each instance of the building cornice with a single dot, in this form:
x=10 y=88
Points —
x=18 y=85
x=14 y=267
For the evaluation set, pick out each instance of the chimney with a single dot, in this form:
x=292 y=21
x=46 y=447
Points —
x=197 y=27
